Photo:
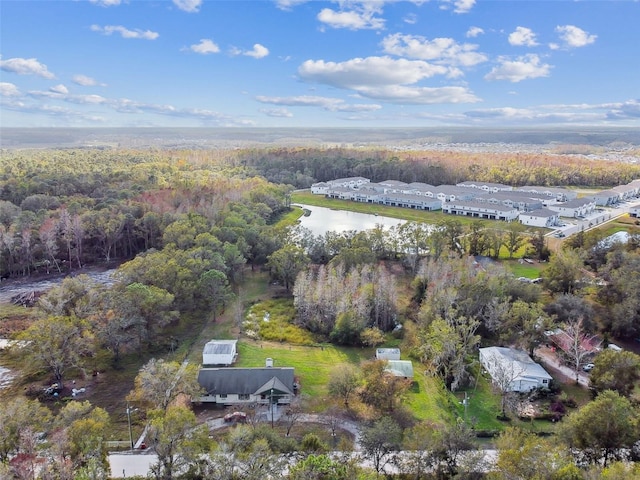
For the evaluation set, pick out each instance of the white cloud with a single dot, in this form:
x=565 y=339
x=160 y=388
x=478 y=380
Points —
x=87 y=99
x=402 y=94
x=363 y=16
x=459 y=6
x=442 y=50
x=277 y=112
x=522 y=68
x=59 y=89
x=258 y=51
x=289 y=4
x=554 y=46
x=625 y=110
x=125 y=32
x=411 y=19
x=523 y=36
x=327 y=103
x=205 y=47
x=574 y=37
x=473 y=32
x=26 y=66
x=370 y=71
x=106 y=3
x=189 y=6
x=86 y=81
x=9 y=90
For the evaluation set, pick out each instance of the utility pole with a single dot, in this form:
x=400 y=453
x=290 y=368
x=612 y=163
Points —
x=271 y=406
x=465 y=403
x=129 y=410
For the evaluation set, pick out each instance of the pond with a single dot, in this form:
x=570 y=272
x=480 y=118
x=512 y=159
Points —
x=322 y=220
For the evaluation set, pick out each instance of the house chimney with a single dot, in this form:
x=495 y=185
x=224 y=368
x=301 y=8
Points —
x=269 y=363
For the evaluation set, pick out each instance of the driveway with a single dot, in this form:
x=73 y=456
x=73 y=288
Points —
x=549 y=359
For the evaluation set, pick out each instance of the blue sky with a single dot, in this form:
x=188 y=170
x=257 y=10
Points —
x=296 y=63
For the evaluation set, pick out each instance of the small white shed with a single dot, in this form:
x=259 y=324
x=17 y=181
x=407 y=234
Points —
x=219 y=352
x=388 y=353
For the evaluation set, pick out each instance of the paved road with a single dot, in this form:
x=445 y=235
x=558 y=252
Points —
x=595 y=219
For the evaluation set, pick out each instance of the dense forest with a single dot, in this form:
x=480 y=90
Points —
x=62 y=209
x=188 y=229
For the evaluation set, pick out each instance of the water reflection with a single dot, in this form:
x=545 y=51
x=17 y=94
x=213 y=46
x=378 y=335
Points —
x=322 y=220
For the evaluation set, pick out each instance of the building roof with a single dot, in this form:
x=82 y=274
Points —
x=519 y=359
x=348 y=179
x=225 y=381
x=220 y=347
x=578 y=202
x=514 y=196
x=400 y=368
x=542 y=189
x=481 y=207
x=470 y=183
x=541 y=212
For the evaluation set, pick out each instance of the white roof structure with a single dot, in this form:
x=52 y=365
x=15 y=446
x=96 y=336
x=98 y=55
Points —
x=219 y=352
x=400 y=368
x=513 y=369
x=388 y=353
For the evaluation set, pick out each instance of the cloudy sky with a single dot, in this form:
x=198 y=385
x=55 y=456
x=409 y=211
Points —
x=287 y=63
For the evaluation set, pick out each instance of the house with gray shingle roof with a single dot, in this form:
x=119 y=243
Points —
x=238 y=386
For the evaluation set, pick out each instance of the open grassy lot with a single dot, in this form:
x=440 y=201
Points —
x=524 y=269
x=313 y=364
x=428 y=399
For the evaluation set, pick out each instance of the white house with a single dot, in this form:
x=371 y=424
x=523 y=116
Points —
x=575 y=208
x=606 y=197
x=406 y=200
x=219 y=352
x=349 y=182
x=555 y=193
x=543 y=217
x=320 y=188
x=513 y=370
x=486 y=186
x=480 y=210
x=238 y=386
x=635 y=212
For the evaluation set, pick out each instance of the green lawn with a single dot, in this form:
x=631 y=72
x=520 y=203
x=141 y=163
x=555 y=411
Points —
x=289 y=218
x=524 y=269
x=428 y=399
x=313 y=364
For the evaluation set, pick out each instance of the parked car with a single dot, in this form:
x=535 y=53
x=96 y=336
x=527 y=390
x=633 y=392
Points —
x=588 y=367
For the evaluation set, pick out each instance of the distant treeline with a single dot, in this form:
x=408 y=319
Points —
x=301 y=167
x=64 y=208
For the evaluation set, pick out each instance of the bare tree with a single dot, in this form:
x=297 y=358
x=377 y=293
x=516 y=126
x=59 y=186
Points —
x=504 y=373
x=576 y=349
x=291 y=415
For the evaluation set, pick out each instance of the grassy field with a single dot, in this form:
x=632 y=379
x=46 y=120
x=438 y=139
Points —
x=428 y=399
x=524 y=269
x=290 y=218
x=313 y=364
